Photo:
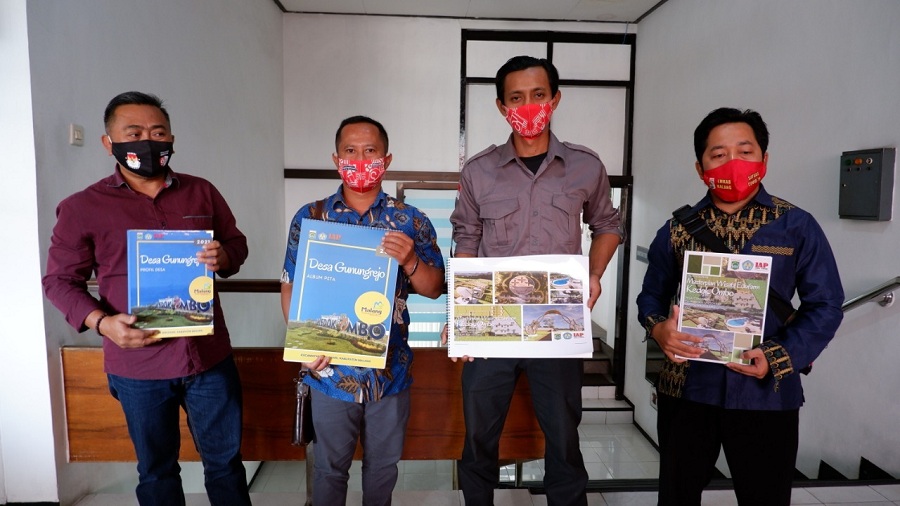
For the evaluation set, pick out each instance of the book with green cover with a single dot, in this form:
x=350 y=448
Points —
x=723 y=302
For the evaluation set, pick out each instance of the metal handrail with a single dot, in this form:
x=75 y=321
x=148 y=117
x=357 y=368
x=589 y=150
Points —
x=885 y=290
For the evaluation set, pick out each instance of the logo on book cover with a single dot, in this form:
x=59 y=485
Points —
x=201 y=289
x=372 y=308
x=747 y=265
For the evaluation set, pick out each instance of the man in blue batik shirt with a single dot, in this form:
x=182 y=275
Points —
x=750 y=411
x=350 y=403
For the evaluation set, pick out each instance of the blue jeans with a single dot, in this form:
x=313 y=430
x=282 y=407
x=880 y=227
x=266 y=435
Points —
x=212 y=401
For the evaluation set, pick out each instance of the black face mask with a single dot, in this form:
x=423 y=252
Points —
x=144 y=158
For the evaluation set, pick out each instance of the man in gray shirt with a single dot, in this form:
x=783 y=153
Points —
x=528 y=197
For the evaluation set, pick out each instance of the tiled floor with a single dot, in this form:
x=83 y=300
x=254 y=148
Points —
x=613 y=451
x=612 y=446
x=880 y=495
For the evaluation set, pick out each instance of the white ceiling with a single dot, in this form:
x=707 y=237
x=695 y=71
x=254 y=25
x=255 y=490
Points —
x=627 y=11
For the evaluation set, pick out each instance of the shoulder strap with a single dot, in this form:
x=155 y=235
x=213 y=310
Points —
x=318 y=211
x=698 y=229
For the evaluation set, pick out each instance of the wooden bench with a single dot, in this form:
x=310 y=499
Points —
x=97 y=433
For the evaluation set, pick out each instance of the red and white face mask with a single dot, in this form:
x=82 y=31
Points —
x=529 y=120
x=735 y=180
x=361 y=176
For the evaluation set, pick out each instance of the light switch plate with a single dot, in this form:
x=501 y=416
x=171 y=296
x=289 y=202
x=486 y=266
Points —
x=76 y=135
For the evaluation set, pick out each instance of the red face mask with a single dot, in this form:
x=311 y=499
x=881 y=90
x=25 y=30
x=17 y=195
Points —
x=529 y=120
x=361 y=175
x=735 y=180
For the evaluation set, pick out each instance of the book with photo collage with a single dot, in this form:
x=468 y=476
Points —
x=723 y=302
x=519 y=307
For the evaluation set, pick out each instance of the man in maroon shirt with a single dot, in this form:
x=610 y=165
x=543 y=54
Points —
x=153 y=377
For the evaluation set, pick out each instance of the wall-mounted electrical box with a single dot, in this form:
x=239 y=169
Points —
x=867 y=184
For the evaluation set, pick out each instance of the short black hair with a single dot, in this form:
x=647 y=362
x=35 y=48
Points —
x=352 y=120
x=517 y=63
x=133 y=98
x=725 y=115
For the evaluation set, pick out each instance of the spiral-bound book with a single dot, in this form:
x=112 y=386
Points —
x=723 y=302
x=169 y=289
x=342 y=297
x=519 y=307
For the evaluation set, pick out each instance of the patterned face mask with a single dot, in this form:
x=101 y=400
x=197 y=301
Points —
x=361 y=176
x=735 y=180
x=144 y=158
x=529 y=120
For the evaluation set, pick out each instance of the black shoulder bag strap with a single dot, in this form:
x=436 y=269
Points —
x=318 y=212
x=697 y=228
x=304 y=432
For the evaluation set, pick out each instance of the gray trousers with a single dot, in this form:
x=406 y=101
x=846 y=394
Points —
x=379 y=426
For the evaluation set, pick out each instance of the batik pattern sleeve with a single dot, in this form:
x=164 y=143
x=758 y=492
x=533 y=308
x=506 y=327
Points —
x=426 y=244
x=293 y=241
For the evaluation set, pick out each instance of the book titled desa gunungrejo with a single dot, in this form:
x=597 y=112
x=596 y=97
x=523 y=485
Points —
x=169 y=289
x=342 y=297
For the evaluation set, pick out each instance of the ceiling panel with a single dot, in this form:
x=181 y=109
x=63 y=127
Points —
x=443 y=8
x=333 y=6
x=521 y=9
x=564 y=10
x=611 y=10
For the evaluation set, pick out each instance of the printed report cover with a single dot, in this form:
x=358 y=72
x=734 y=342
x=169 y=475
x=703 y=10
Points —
x=521 y=306
x=723 y=301
x=343 y=296
x=169 y=289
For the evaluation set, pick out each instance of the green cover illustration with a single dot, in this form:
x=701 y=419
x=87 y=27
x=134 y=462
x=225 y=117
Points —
x=343 y=296
x=723 y=302
x=169 y=289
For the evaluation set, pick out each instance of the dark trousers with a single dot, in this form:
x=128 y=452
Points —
x=760 y=448
x=488 y=387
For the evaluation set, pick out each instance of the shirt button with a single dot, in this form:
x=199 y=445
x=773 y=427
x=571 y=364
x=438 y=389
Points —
x=535 y=213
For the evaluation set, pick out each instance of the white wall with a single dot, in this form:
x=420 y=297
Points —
x=403 y=72
x=217 y=66
x=27 y=471
x=824 y=76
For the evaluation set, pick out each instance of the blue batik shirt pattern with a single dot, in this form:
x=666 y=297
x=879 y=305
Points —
x=363 y=384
